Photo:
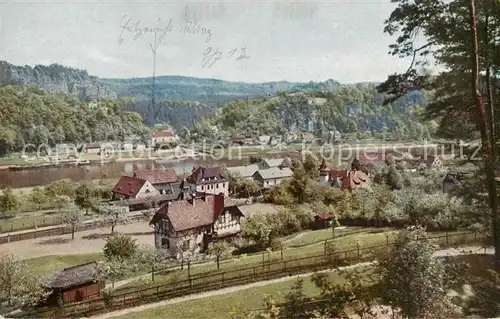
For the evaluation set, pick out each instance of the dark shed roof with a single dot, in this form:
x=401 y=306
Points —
x=75 y=276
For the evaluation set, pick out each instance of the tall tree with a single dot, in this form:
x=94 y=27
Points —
x=18 y=285
x=74 y=218
x=462 y=37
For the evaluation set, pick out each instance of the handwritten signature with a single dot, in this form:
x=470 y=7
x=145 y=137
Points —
x=211 y=56
x=139 y=31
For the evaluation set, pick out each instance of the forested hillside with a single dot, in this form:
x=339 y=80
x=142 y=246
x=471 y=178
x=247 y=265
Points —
x=348 y=109
x=209 y=91
x=254 y=107
x=176 y=114
x=34 y=116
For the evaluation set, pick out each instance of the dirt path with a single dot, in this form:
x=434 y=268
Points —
x=441 y=253
x=85 y=242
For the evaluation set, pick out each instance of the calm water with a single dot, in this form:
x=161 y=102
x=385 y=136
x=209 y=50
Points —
x=42 y=176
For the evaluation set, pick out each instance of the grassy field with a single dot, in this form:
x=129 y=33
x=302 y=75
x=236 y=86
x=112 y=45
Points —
x=47 y=265
x=225 y=306
x=367 y=239
x=350 y=243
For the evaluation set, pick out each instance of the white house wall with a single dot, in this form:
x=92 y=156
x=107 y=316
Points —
x=224 y=225
x=215 y=188
x=147 y=190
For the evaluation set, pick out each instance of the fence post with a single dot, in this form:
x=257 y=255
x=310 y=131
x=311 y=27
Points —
x=446 y=233
x=157 y=291
x=284 y=265
x=475 y=235
x=281 y=253
x=357 y=246
x=325 y=248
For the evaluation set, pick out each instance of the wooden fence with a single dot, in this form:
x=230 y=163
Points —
x=60 y=230
x=222 y=279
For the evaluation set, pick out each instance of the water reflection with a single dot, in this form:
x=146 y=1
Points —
x=44 y=176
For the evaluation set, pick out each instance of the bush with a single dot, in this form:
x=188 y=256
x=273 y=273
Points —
x=120 y=248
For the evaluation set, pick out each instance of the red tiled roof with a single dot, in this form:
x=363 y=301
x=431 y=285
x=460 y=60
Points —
x=204 y=175
x=128 y=186
x=184 y=215
x=336 y=174
x=163 y=134
x=157 y=176
x=323 y=216
x=355 y=179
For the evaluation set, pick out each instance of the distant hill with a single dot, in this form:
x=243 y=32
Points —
x=183 y=101
x=61 y=79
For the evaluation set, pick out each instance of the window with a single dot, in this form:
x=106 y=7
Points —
x=202 y=188
x=165 y=243
x=147 y=190
x=216 y=185
x=267 y=182
x=223 y=185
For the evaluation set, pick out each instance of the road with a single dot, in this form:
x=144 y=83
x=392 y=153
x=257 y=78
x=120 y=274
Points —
x=467 y=250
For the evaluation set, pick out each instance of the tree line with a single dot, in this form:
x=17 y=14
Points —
x=32 y=116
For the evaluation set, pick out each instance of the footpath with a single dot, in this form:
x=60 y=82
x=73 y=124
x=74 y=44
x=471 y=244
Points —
x=468 y=250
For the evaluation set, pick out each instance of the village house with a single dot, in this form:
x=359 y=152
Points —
x=75 y=284
x=324 y=172
x=430 y=162
x=307 y=137
x=92 y=148
x=243 y=172
x=172 y=192
x=355 y=178
x=273 y=176
x=164 y=137
x=192 y=224
x=162 y=180
x=270 y=162
x=211 y=180
x=290 y=137
x=335 y=177
x=370 y=162
x=130 y=188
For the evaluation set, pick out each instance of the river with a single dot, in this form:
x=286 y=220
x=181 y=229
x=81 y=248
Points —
x=43 y=176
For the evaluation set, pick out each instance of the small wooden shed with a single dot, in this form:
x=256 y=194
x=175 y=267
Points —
x=75 y=284
x=323 y=220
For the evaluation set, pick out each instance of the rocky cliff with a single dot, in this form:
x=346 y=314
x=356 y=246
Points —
x=56 y=78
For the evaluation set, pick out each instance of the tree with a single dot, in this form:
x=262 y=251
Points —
x=258 y=229
x=311 y=166
x=246 y=188
x=74 y=218
x=61 y=201
x=85 y=196
x=413 y=280
x=113 y=215
x=153 y=258
x=63 y=187
x=112 y=270
x=219 y=249
x=462 y=38
x=8 y=201
x=37 y=197
x=17 y=284
x=120 y=248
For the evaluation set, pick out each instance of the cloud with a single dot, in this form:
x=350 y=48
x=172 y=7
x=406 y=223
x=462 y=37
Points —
x=96 y=55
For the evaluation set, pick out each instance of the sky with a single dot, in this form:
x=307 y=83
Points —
x=253 y=41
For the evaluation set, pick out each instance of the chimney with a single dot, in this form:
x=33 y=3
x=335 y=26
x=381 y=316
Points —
x=218 y=203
